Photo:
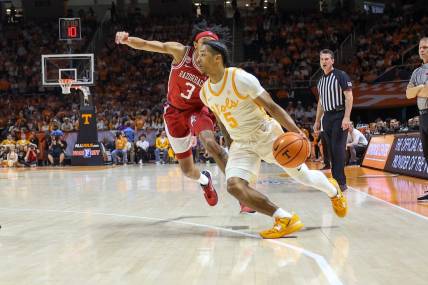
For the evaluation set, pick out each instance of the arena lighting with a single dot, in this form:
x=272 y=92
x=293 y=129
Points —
x=227 y=2
x=265 y=7
x=247 y=5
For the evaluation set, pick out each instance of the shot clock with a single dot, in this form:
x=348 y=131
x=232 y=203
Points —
x=69 y=29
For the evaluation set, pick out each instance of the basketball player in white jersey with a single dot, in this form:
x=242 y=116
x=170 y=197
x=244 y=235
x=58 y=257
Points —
x=239 y=101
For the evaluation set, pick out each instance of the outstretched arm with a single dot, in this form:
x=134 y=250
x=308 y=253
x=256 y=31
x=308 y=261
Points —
x=176 y=50
x=264 y=100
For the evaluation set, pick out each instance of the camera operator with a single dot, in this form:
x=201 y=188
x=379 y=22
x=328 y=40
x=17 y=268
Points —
x=31 y=155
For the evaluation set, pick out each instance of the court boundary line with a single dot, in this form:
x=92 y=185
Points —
x=322 y=263
x=389 y=203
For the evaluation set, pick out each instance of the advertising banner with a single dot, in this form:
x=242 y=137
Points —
x=378 y=151
x=406 y=157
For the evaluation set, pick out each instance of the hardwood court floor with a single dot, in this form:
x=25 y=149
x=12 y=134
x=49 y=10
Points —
x=150 y=225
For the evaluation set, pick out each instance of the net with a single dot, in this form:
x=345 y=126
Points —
x=65 y=85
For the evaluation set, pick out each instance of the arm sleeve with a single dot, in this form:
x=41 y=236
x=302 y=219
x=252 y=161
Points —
x=344 y=81
x=248 y=84
x=158 y=143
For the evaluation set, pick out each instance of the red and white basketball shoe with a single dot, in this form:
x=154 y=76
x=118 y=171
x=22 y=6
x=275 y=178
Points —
x=210 y=193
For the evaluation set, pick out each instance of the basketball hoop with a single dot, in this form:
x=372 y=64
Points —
x=65 y=85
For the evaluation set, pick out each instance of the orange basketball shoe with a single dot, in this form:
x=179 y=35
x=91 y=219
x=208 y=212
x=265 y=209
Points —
x=339 y=203
x=210 y=193
x=283 y=227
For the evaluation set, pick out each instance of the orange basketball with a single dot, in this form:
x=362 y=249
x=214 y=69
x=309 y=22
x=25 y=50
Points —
x=291 y=149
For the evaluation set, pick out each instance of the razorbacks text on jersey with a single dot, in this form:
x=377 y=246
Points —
x=185 y=82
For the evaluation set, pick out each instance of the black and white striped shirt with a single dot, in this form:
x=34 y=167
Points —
x=331 y=88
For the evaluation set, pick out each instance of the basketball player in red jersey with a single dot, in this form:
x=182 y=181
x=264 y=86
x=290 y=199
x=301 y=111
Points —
x=184 y=111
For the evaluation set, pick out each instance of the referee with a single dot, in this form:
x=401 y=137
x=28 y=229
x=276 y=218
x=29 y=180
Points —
x=418 y=87
x=335 y=102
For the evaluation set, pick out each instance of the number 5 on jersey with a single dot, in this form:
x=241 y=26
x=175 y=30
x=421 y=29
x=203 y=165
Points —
x=189 y=92
x=230 y=119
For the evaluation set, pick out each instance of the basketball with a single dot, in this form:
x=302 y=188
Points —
x=291 y=149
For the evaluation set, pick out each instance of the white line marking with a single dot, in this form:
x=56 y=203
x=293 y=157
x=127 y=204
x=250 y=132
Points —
x=376 y=176
x=389 y=203
x=320 y=260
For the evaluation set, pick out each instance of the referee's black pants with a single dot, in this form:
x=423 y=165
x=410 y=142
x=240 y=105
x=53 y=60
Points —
x=336 y=143
x=326 y=150
x=423 y=131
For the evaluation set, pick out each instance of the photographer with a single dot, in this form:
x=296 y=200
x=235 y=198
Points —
x=11 y=158
x=21 y=150
x=31 y=155
x=56 y=150
x=3 y=154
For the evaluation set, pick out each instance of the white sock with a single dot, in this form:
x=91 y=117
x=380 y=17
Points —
x=280 y=213
x=313 y=178
x=203 y=179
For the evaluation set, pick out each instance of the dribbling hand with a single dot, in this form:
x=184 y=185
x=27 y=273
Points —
x=121 y=37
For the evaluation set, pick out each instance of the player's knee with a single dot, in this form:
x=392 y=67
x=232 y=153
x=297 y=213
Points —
x=235 y=186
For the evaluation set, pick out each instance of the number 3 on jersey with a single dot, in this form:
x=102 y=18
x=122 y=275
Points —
x=189 y=92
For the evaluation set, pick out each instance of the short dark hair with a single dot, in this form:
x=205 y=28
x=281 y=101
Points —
x=218 y=47
x=327 y=51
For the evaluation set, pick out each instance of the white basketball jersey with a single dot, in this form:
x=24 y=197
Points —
x=231 y=100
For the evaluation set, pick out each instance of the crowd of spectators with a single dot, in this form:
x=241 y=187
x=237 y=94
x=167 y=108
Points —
x=384 y=44
x=131 y=85
x=284 y=49
x=288 y=45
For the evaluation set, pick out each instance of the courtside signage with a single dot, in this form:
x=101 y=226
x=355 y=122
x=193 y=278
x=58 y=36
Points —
x=378 y=151
x=406 y=157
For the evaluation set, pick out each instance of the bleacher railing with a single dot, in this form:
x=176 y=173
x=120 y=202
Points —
x=397 y=73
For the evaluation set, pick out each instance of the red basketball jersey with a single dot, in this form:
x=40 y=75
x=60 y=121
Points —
x=185 y=82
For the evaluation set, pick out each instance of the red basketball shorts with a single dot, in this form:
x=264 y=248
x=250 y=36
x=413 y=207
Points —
x=180 y=126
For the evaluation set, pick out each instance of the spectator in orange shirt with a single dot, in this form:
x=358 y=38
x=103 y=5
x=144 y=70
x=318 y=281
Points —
x=121 y=144
x=4 y=84
x=8 y=141
x=162 y=145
